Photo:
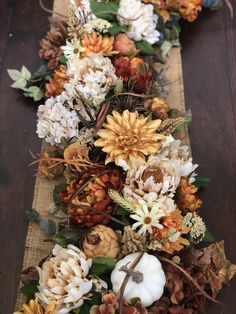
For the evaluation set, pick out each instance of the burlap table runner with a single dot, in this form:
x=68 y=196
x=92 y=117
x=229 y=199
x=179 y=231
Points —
x=35 y=248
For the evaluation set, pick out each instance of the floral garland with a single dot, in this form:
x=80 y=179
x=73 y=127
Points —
x=127 y=202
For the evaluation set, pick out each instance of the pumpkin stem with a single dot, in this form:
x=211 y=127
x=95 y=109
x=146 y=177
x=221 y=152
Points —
x=136 y=276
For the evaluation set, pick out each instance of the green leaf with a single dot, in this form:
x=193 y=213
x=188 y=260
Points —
x=33 y=215
x=102 y=265
x=133 y=301
x=145 y=48
x=25 y=73
x=165 y=48
x=57 y=191
x=41 y=72
x=48 y=226
x=116 y=28
x=104 y=10
x=30 y=289
x=208 y=237
x=121 y=211
x=15 y=75
x=59 y=239
x=202 y=181
x=35 y=92
x=95 y=299
x=63 y=60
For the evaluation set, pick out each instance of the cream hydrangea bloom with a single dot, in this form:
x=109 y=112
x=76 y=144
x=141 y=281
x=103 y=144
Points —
x=63 y=278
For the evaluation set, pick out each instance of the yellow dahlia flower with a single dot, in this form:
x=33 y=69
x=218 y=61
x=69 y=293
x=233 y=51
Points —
x=129 y=136
x=35 y=308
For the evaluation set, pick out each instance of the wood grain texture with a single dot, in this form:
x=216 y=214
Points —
x=209 y=78
x=209 y=65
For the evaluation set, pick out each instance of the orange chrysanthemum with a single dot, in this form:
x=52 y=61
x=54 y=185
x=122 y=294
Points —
x=188 y=9
x=171 y=222
x=98 y=44
x=93 y=195
x=128 y=137
x=187 y=199
x=56 y=83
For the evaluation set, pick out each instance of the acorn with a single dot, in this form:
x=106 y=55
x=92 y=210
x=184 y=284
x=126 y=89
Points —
x=102 y=241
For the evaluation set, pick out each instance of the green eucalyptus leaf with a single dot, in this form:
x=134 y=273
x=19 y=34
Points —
x=25 y=73
x=35 y=92
x=104 y=10
x=145 y=48
x=33 y=215
x=101 y=265
x=165 y=48
x=48 y=226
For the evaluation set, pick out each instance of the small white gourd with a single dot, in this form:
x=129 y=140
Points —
x=151 y=286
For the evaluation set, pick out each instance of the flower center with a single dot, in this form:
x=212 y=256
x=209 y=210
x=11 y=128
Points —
x=147 y=220
x=76 y=50
x=156 y=173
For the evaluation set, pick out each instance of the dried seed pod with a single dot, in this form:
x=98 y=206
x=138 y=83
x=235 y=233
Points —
x=102 y=241
x=158 y=106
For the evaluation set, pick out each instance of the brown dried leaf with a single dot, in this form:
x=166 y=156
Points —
x=29 y=274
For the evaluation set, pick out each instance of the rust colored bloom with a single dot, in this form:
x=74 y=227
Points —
x=110 y=305
x=98 y=44
x=94 y=195
x=124 y=44
x=134 y=71
x=128 y=137
x=170 y=237
x=56 y=83
x=51 y=44
x=187 y=199
x=188 y=9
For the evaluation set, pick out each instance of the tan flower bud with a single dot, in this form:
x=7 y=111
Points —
x=102 y=241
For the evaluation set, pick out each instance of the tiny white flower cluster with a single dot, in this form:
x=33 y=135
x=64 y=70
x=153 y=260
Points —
x=56 y=122
x=198 y=228
x=98 y=25
x=140 y=19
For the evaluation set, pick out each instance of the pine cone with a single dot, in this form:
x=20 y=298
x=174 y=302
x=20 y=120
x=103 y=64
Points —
x=51 y=44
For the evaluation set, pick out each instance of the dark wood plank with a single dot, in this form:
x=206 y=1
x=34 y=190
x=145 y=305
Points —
x=209 y=57
x=22 y=24
x=210 y=89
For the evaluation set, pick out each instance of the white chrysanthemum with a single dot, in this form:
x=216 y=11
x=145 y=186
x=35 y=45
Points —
x=147 y=218
x=56 y=122
x=98 y=25
x=92 y=77
x=63 y=278
x=160 y=175
x=140 y=19
x=72 y=49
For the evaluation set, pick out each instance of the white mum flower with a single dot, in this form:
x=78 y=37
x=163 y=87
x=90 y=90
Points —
x=56 y=122
x=92 y=77
x=140 y=19
x=147 y=218
x=98 y=25
x=63 y=278
x=160 y=175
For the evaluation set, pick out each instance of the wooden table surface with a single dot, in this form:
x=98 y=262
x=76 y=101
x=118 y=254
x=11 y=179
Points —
x=209 y=64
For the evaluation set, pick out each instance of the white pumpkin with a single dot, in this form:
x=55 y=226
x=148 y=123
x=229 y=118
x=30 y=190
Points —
x=151 y=288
